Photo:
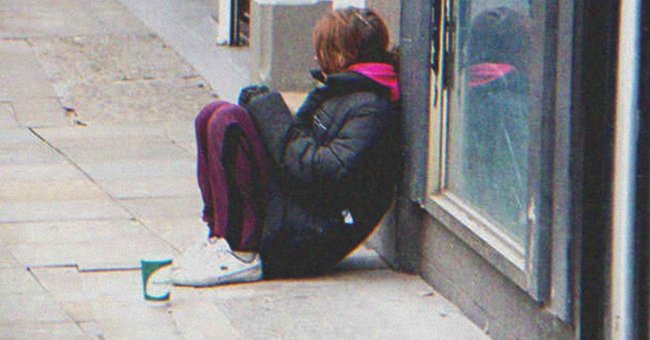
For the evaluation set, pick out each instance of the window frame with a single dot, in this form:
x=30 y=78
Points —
x=528 y=267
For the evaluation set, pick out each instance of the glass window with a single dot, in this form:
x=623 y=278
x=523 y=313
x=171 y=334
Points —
x=488 y=136
x=499 y=138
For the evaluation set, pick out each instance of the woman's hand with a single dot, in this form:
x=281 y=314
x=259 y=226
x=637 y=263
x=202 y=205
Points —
x=247 y=94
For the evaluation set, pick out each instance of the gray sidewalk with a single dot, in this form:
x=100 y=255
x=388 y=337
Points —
x=97 y=171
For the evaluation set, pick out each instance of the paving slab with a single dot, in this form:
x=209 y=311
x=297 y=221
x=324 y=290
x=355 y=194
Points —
x=19 y=86
x=62 y=283
x=89 y=151
x=110 y=58
x=30 y=308
x=7 y=114
x=180 y=232
x=29 y=154
x=362 y=258
x=66 y=136
x=69 y=210
x=149 y=208
x=115 y=329
x=91 y=256
x=375 y=304
x=31 y=331
x=110 y=304
x=60 y=170
x=64 y=18
x=226 y=69
x=37 y=112
x=92 y=329
x=150 y=187
x=65 y=286
x=49 y=190
x=120 y=311
x=189 y=147
x=368 y=304
x=7 y=260
x=18 y=281
x=202 y=320
x=139 y=168
x=21 y=74
x=180 y=131
x=133 y=78
x=118 y=246
x=87 y=231
x=79 y=310
x=17 y=137
x=123 y=286
x=362 y=304
x=153 y=100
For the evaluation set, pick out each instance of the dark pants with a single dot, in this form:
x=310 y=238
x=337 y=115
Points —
x=232 y=174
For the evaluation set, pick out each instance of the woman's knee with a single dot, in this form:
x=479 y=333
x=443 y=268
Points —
x=226 y=115
x=204 y=116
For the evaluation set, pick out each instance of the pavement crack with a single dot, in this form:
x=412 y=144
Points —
x=78 y=167
x=63 y=154
x=17 y=38
x=126 y=80
x=48 y=266
x=63 y=265
x=147 y=78
x=108 y=270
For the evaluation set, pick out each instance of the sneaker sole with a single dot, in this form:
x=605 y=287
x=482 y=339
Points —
x=231 y=278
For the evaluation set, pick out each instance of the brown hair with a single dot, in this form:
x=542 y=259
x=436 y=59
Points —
x=348 y=36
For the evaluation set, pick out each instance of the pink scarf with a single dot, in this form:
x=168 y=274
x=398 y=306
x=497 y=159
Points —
x=383 y=74
x=481 y=74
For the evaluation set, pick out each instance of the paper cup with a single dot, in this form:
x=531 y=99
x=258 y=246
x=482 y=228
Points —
x=156 y=279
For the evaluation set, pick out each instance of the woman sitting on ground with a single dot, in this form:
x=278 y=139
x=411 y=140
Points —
x=292 y=195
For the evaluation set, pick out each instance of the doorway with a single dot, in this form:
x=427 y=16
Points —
x=239 y=22
x=233 y=18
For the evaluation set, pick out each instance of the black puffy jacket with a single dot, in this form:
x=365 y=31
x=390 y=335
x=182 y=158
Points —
x=335 y=164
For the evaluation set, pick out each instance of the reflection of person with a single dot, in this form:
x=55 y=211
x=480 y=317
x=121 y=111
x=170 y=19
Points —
x=321 y=181
x=496 y=121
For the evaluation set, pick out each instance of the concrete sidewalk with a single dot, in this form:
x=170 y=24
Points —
x=97 y=171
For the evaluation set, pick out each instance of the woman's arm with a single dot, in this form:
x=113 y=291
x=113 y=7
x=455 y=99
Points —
x=306 y=161
x=273 y=120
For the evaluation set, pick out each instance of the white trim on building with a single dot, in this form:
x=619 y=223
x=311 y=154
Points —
x=350 y=3
x=224 y=24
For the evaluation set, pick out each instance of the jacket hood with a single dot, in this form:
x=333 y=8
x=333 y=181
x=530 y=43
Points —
x=383 y=74
x=364 y=76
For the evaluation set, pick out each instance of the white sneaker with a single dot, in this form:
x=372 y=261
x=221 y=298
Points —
x=212 y=263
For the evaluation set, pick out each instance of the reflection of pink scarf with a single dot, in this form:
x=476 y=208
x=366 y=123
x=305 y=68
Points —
x=481 y=74
x=383 y=74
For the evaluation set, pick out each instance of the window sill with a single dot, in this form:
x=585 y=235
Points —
x=495 y=247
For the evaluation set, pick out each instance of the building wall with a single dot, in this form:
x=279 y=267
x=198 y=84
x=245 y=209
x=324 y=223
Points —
x=349 y=3
x=282 y=51
x=487 y=297
x=390 y=11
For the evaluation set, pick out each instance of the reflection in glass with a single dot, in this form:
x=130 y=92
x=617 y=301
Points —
x=489 y=136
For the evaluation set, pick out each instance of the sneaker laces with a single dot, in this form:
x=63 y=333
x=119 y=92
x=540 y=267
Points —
x=214 y=243
x=212 y=247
